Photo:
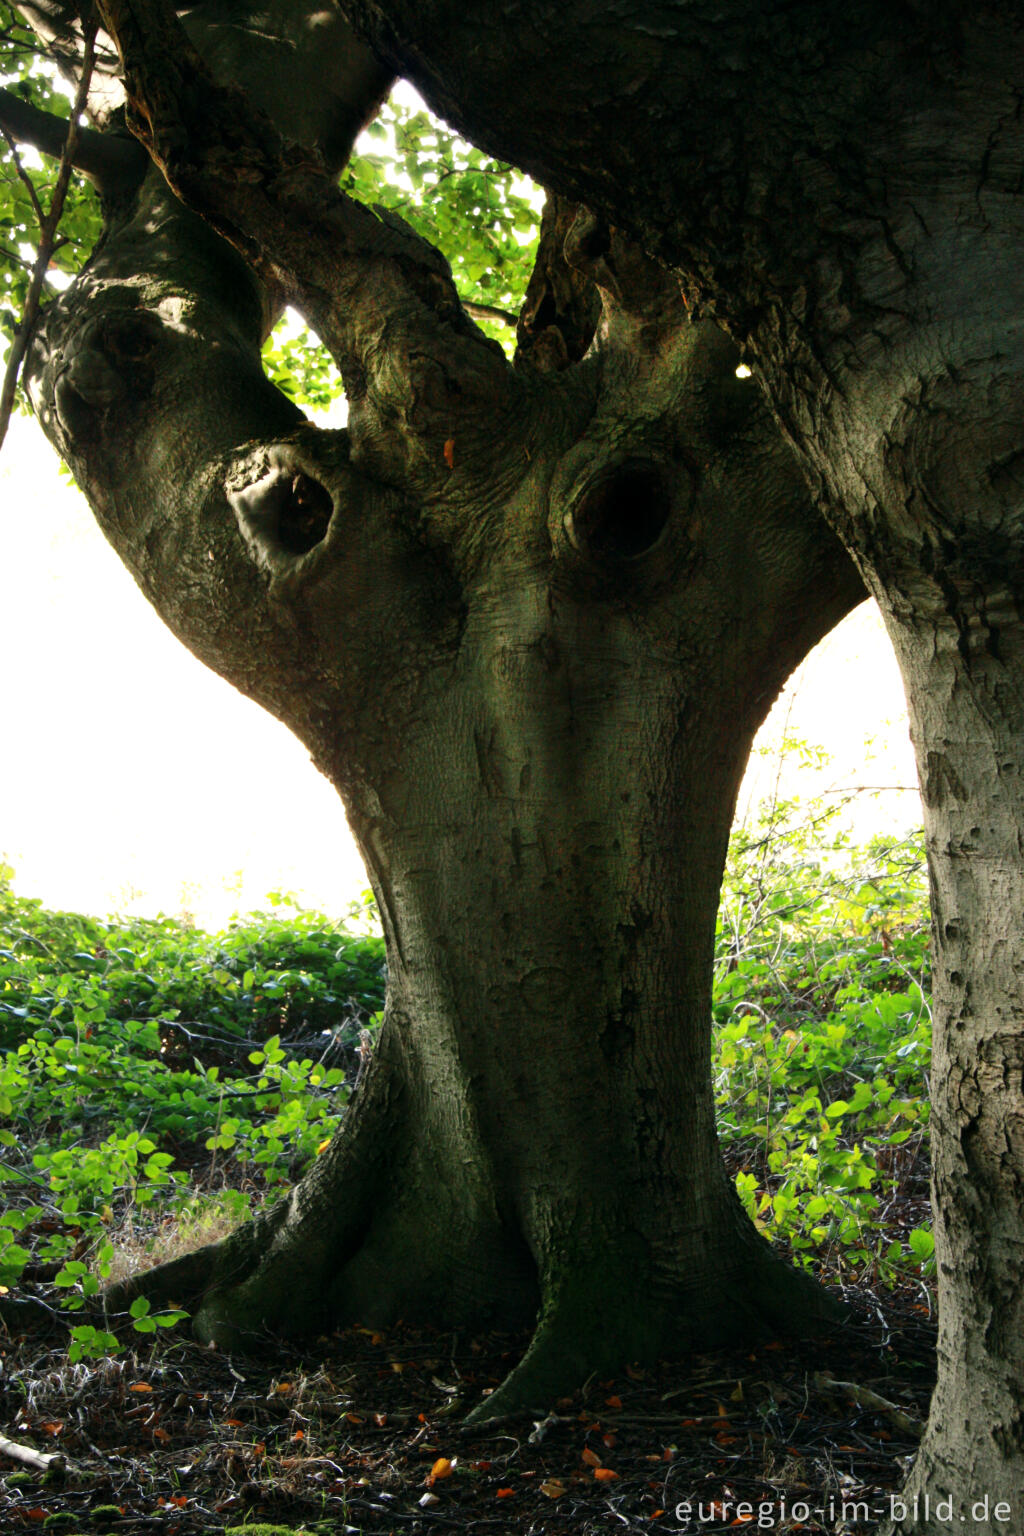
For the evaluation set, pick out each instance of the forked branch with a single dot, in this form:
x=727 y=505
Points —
x=381 y=298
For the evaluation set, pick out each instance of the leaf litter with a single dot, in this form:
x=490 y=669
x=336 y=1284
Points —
x=361 y=1433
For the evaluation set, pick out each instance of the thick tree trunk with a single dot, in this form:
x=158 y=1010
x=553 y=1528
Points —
x=527 y=622
x=964 y=681
x=842 y=185
x=547 y=852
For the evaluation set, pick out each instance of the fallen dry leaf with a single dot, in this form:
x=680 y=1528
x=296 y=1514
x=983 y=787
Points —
x=552 y=1488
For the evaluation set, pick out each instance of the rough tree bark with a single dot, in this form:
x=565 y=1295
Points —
x=841 y=186
x=527 y=620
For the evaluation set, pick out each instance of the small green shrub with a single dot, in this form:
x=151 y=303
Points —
x=822 y=1039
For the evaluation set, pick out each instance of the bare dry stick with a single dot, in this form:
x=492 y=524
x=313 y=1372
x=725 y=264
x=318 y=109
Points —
x=29 y=1457
x=47 y=241
x=865 y=1398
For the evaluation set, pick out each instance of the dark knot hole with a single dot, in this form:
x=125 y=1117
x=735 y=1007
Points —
x=624 y=514
x=303 y=508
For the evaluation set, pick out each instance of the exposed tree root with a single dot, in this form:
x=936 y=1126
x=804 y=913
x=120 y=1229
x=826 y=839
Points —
x=765 y=1299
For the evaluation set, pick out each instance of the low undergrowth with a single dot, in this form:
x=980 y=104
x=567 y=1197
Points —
x=823 y=1042
x=158 y=1082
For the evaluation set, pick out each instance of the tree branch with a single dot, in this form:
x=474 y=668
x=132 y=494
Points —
x=381 y=298
x=47 y=240
x=562 y=307
x=26 y=180
x=110 y=161
x=488 y=312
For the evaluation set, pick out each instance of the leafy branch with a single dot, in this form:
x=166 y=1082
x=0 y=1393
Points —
x=49 y=223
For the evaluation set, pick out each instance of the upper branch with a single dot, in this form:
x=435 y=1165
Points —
x=381 y=298
x=110 y=161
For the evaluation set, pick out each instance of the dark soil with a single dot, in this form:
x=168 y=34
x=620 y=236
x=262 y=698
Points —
x=362 y=1433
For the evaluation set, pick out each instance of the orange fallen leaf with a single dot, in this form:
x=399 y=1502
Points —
x=283 y=1386
x=140 y=1386
x=742 y=1520
x=504 y=1493
x=605 y=1474
x=655 y=1513
x=35 y=1514
x=233 y=1423
x=591 y=1458
x=353 y=1418
x=160 y=1434
x=300 y=1434
x=442 y=1468
x=52 y=1428
x=553 y=1488
x=609 y=1440
x=613 y=1402
x=449 y=453
x=482 y=1466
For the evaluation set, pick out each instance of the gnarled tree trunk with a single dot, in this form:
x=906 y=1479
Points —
x=527 y=620
x=841 y=186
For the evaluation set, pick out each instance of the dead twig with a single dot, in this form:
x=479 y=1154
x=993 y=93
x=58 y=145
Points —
x=865 y=1398
x=30 y=1458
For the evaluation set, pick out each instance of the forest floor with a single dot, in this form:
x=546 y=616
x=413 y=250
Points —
x=156 y=1080
x=362 y=1433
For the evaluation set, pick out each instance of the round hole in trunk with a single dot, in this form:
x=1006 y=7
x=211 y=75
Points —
x=623 y=514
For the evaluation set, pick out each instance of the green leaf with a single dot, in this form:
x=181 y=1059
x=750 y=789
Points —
x=922 y=1243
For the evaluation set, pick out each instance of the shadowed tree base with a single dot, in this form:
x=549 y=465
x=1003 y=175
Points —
x=334 y=1253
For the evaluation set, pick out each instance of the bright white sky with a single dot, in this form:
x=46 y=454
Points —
x=133 y=779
